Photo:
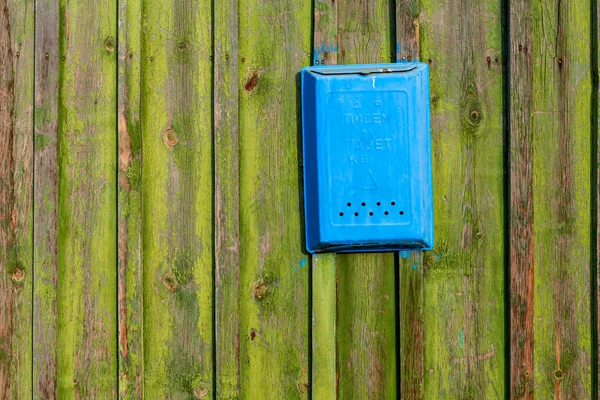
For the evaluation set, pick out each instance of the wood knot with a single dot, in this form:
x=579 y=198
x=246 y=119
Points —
x=302 y=387
x=170 y=282
x=181 y=47
x=109 y=44
x=259 y=289
x=170 y=137
x=252 y=81
x=18 y=274
x=252 y=334
x=201 y=390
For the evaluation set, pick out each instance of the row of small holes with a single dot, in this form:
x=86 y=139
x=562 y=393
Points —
x=393 y=203
x=371 y=213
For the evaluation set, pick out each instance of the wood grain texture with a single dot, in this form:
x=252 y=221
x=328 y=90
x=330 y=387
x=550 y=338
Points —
x=561 y=147
x=177 y=210
x=87 y=162
x=274 y=348
x=521 y=234
x=45 y=294
x=324 y=332
x=464 y=275
x=410 y=325
x=366 y=311
x=227 y=228
x=16 y=171
x=410 y=295
x=130 y=290
x=324 y=267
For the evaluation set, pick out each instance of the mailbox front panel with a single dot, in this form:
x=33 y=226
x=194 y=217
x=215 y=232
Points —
x=367 y=158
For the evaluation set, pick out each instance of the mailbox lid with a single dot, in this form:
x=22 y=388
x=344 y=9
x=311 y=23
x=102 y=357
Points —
x=367 y=157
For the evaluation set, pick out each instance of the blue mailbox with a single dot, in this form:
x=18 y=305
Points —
x=367 y=158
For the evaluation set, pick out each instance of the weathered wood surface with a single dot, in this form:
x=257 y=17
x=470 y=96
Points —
x=227 y=227
x=129 y=224
x=464 y=308
x=561 y=199
x=176 y=188
x=45 y=189
x=16 y=171
x=87 y=161
x=151 y=210
x=274 y=44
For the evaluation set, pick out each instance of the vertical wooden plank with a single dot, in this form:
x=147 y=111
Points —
x=324 y=267
x=561 y=148
x=324 y=313
x=45 y=200
x=411 y=307
x=366 y=325
x=16 y=171
x=464 y=276
x=227 y=229
x=410 y=325
x=177 y=209
x=275 y=45
x=87 y=137
x=521 y=197
x=130 y=294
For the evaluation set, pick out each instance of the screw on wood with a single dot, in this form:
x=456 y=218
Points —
x=170 y=282
x=109 y=44
x=46 y=55
x=259 y=289
x=18 y=274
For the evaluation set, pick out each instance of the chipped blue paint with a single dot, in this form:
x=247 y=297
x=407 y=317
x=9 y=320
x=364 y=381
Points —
x=414 y=266
x=404 y=254
x=319 y=52
x=301 y=265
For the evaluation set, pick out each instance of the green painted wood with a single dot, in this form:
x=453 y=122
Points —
x=520 y=229
x=366 y=310
x=16 y=172
x=227 y=228
x=562 y=192
x=87 y=137
x=45 y=203
x=463 y=312
x=274 y=42
x=177 y=210
x=129 y=225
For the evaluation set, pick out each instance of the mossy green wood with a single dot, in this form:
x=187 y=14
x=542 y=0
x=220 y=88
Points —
x=130 y=296
x=227 y=229
x=177 y=211
x=464 y=275
x=16 y=168
x=324 y=267
x=410 y=295
x=87 y=137
x=274 y=41
x=367 y=298
x=45 y=200
x=561 y=147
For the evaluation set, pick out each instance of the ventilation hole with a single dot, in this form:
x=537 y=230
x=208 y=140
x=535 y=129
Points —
x=363 y=204
x=349 y=204
x=341 y=214
x=371 y=213
x=401 y=212
x=378 y=203
x=393 y=203
x=356 y=214
x=386 y=213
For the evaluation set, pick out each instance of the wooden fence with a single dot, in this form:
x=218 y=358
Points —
x=151 y=232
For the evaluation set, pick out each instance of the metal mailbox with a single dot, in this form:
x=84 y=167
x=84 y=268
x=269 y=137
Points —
x=367 y=158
